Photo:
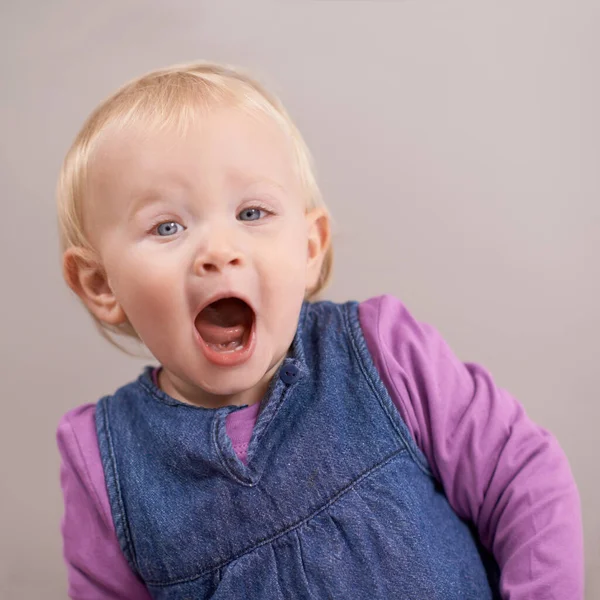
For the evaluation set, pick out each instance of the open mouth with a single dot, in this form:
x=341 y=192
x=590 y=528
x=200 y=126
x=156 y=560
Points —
x=225 y=325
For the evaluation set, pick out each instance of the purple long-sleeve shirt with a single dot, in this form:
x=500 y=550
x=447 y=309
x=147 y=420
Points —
x=498 y=469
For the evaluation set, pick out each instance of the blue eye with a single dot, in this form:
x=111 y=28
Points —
x=250 y=214
x=168 y=228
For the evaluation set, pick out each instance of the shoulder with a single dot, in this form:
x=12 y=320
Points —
x=96 y=567
x=77 y=440
x=81 y=466
x=412 y=360
x=77 y=429
x=386 y=322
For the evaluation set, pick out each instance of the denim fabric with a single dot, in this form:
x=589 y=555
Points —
x=336 y=500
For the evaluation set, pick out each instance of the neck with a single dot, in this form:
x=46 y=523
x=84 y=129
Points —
x=190 y=394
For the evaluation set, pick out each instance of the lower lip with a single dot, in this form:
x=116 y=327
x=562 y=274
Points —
x=229 y=359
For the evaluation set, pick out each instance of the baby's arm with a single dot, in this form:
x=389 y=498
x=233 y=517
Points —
x=96 y=567
x=499 y=470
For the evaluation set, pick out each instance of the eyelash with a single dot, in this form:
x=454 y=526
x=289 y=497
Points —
x=257 y=205
x=153 y=230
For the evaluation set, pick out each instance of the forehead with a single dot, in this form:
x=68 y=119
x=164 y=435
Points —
x=225 y=147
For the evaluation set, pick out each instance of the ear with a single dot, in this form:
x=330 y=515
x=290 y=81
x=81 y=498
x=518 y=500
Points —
x=86 y=276
x=319 y=234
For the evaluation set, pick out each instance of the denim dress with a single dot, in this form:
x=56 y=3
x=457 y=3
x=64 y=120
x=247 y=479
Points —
x=335 y=501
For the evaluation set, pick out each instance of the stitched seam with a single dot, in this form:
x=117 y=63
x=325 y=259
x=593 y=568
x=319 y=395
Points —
x=386 y=366
x=358 y=343
x=260 y=434
x=221 y=457
x=166 y=400
x=117 y=492
x=296 y=525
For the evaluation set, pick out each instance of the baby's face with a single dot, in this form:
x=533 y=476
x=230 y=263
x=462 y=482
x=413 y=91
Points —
x=183 y=221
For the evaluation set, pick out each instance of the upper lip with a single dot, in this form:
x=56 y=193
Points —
x=224 y=294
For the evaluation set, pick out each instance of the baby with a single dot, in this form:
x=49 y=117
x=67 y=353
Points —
x=285 y=447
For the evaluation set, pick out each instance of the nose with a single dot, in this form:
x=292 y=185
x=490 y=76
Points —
x=216 y=256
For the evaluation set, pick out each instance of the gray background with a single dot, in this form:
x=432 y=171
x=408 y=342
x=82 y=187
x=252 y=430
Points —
x=457 y=144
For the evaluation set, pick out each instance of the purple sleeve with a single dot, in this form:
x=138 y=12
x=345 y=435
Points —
x=499 y=470
x=96 y=567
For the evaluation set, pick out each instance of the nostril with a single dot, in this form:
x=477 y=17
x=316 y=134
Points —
x=216 y=264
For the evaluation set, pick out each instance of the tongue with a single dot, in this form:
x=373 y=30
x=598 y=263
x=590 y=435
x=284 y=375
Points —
x=213 y=334
x=224 y=321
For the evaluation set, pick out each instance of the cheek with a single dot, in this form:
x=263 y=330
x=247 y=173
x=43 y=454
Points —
x=143 y=288
x=154 y=311
x=290 y=249
x=285 y=267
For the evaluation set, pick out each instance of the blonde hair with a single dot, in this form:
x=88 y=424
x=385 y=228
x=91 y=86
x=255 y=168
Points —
x=165 y=98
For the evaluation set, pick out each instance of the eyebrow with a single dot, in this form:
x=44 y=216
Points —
x=147 y=197
x=142 y=200
x=246 y=182
x=275 y=184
